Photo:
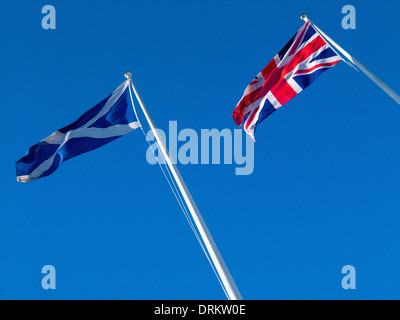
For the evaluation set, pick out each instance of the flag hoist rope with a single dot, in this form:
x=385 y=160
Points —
x=222 y=270
x=178 y=197
x=389 y=91
x=175 y=191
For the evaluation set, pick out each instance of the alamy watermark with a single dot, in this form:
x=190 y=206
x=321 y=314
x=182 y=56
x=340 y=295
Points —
x=211 y=146
x=49 y=20
x=349 y=280
x=349 y=20
x=49 y=280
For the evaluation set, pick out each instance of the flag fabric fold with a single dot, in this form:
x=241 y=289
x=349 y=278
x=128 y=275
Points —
x=293 y=69
x=108 y=120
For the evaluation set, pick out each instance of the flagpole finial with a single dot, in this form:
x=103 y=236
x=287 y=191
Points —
x=128 y=75
x=304 y=17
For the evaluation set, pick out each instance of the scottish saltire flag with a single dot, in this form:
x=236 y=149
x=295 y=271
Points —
x=110 y=119
x=293 y=69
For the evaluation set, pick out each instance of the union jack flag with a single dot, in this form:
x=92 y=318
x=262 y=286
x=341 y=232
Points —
x=293 y=69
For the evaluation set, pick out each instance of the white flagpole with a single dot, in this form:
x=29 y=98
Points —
x=220 y=266
x=389 y=91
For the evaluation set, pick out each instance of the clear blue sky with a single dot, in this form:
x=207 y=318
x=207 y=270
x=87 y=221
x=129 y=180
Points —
x=324 y=192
